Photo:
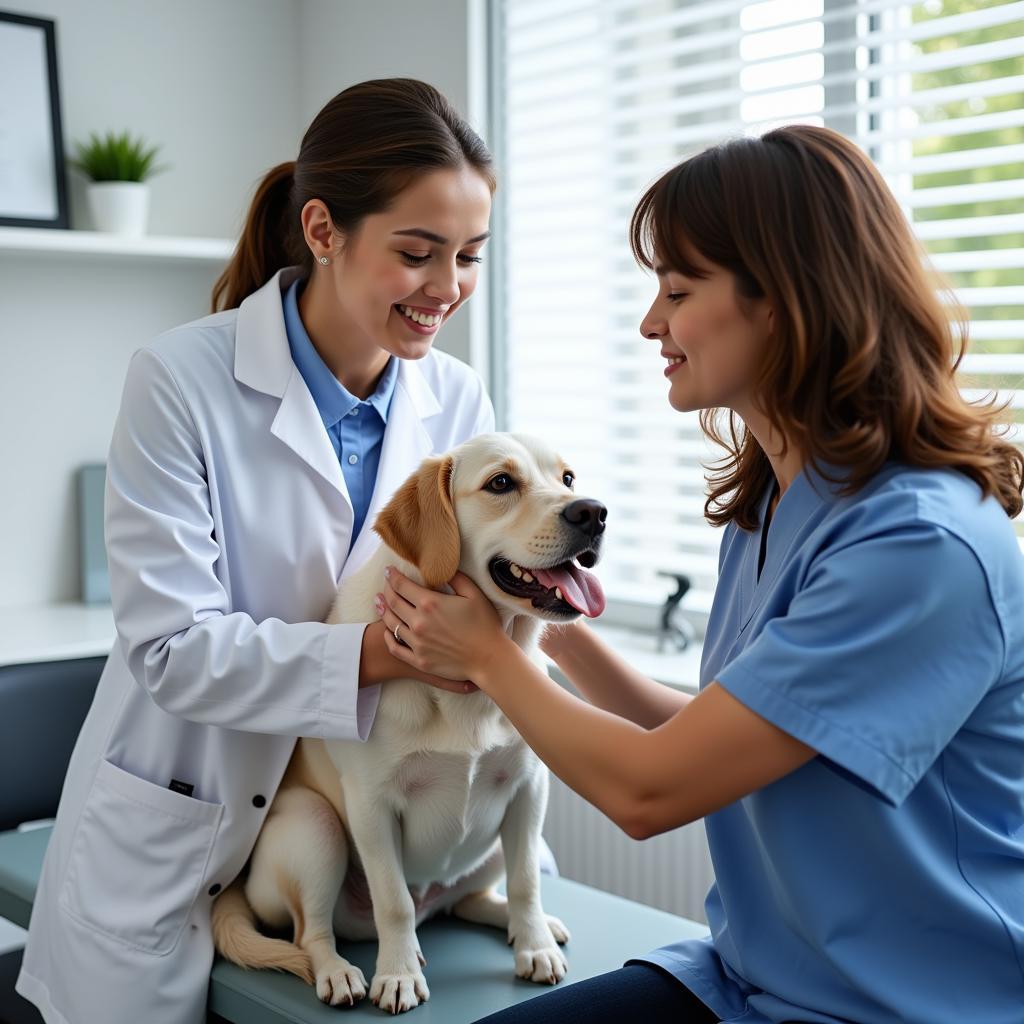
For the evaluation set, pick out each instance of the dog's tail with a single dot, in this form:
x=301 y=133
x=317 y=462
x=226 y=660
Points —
x=237 y=938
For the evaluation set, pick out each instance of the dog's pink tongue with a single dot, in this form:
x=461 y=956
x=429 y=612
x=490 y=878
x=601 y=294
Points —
x=580 y=588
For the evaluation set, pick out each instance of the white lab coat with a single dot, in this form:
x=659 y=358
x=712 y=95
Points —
x=228 y=527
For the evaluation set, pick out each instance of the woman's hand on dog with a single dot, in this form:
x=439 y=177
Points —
x=446 y=635
x=376 y=665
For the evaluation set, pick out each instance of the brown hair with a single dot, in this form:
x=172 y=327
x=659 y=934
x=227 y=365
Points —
x=863 y=357
x=360 y=152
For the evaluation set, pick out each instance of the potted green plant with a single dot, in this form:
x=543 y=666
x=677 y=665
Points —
x=118 y=168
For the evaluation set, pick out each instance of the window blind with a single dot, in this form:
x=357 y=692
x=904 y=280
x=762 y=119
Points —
x=594 y=99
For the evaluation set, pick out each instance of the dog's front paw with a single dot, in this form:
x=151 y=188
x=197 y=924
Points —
x=546 y=966
x=340 y=982
x=396 y=993
x=558 y=930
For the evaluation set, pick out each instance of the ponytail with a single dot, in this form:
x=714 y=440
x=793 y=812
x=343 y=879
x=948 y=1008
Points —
x=360 y=152
x=265 y=245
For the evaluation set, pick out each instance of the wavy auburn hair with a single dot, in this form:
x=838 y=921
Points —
x=861 y=364
x=365 y=146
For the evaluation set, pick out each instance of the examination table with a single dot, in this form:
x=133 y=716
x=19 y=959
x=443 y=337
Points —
x=469 y=967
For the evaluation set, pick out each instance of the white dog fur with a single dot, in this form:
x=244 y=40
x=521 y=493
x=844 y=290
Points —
x=367 y=840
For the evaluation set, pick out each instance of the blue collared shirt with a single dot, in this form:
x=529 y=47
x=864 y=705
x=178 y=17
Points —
x=882 y=881
x=356 y=428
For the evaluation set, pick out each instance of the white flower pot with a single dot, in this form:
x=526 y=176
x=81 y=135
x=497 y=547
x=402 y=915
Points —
x=119 y=207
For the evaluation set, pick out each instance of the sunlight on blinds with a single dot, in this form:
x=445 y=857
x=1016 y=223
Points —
x=599 y=97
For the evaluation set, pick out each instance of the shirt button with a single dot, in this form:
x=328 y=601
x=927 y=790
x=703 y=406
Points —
x=352 y=412
x=259 y=800
x=214 y=889
x=353 y=459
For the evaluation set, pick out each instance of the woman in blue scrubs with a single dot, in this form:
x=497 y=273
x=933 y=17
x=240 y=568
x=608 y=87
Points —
x=857 y=744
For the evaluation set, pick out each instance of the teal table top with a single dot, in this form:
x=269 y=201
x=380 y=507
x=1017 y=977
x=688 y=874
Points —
x=469 y=968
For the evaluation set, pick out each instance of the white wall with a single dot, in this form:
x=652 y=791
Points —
x=228 y=88
x=214 y=83
x=68 y=328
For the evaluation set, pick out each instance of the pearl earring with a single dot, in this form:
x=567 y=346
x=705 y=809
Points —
x=324 y=260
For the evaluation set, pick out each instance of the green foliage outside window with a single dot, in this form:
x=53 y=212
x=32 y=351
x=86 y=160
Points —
x=993 y=277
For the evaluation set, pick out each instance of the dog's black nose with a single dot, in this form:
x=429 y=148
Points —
x=586 y=515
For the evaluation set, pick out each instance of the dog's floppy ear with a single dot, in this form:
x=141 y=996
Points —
x=419 y=524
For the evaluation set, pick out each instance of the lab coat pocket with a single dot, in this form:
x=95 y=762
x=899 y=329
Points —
x=138 y=860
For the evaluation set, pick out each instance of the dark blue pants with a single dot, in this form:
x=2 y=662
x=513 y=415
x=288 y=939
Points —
x=637 y=992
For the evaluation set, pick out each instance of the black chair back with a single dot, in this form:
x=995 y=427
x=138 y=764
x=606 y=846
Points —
x=42 y=707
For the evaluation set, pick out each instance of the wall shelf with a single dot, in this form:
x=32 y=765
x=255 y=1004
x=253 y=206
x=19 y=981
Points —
x=59 y=242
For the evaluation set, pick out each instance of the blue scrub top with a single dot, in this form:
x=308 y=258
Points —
x=883 y=881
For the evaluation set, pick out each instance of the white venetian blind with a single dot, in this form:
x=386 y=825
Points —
x=597 y=98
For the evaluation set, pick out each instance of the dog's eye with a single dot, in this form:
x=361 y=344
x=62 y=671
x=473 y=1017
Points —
x=500 y=484
x=568 y=479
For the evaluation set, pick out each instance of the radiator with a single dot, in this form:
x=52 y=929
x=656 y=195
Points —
x=671 y=872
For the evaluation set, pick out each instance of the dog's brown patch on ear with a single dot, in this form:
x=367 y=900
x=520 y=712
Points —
x=419 y=524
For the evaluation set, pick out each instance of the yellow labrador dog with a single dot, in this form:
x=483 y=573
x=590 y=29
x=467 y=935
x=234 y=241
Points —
x=366 y=840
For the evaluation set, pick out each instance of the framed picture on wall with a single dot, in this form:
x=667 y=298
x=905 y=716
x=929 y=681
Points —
x=33 y=186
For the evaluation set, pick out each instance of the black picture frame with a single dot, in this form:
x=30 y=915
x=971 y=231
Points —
x=32 y=149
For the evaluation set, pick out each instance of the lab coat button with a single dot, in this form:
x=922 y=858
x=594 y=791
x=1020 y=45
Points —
x=259 y=801
x=214 y=889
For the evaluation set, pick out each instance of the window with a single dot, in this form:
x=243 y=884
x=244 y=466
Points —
x=596 y=98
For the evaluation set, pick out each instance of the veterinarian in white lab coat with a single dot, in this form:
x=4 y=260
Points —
x=230 y=522
x=856 y=746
